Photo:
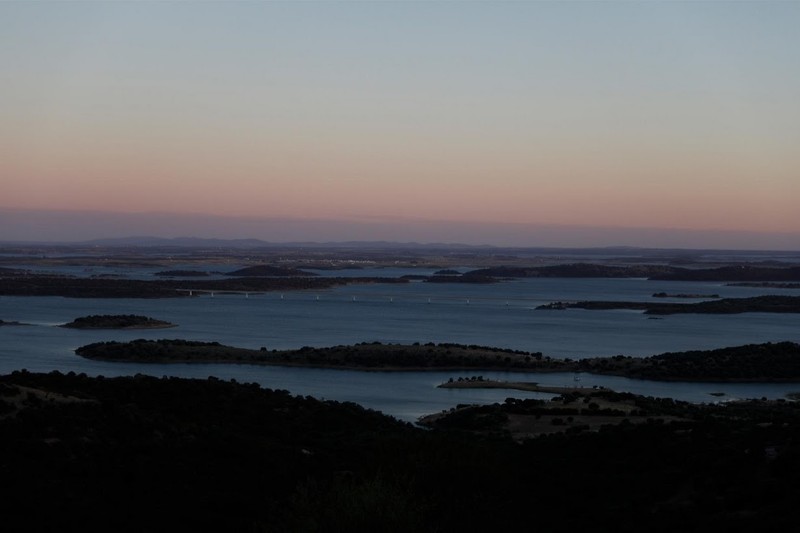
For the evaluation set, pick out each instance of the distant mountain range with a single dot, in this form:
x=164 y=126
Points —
x=55 y=227
x=632 y=252
x=197 y=242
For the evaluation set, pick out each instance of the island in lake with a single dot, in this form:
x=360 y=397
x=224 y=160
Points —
x=362 y=356
x=683 y=295
x=766 y=284
x=755 y=304
x=269 y=270
x=182 y=274
x=117 y=322
x=765 y=362
x=69 y=287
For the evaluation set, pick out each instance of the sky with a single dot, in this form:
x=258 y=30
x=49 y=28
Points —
x=583 y=123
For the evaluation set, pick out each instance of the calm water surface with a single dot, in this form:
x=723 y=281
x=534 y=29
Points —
x=500 y=315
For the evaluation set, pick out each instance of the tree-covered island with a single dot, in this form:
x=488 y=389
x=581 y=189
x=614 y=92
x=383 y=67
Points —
x=182 y=274
x=117 y=322
x=684 y=295
x=263 y=278
x=743 y=273
x=755 y=304
x=749 y=363
x=364 y=356
x=765 y=284
x=269 y=271
x=70 y=287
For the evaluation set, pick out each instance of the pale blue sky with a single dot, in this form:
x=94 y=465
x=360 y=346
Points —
x=605 y=114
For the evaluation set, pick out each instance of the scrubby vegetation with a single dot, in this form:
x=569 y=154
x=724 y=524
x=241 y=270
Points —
x=141 y=453
x=752 y=362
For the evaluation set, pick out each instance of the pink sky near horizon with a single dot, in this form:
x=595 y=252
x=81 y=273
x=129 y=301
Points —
x=588 y=192
x=606 y=115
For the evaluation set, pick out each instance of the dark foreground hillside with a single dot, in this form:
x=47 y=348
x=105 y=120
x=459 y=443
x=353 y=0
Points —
x=147 y=454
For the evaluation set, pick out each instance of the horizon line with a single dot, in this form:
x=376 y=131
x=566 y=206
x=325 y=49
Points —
x=118 y=242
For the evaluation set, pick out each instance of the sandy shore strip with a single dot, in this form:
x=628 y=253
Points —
x=529 y=386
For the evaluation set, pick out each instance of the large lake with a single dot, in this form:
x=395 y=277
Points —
x=501 y=315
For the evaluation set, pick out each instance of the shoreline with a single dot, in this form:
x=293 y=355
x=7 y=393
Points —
x=117 y=322
x=766 y=363
x=528 y=386
x=357 y=368
x=167 y=326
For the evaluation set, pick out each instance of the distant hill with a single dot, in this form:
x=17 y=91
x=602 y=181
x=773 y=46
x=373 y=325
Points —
x=198 y=242
x=625 y=254
x=194 y=242
x=182 y=242
x=572 y=270
x=733 y=273
x=268 y=270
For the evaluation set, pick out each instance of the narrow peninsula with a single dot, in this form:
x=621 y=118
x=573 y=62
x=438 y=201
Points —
x=725 y=306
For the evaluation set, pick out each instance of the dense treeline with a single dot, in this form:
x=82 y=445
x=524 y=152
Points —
x=134 y=454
